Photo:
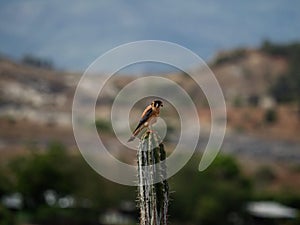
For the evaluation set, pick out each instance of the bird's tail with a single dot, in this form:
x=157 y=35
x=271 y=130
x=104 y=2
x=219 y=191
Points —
x=131 y=138
x=135 y=133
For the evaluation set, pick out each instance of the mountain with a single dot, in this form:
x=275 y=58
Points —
x=247 y=73
x=34 y=93
x=243 y=74
x=35 y=102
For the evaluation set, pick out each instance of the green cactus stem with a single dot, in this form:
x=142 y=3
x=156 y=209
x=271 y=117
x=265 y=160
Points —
x=153 y=190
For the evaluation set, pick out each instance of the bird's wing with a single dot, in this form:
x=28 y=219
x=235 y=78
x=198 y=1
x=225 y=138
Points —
x=146 y=110
x=145 y=116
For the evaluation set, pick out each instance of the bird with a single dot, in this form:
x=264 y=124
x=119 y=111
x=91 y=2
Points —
x=149 y=117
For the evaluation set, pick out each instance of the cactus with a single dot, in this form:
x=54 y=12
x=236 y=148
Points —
x=153 y=191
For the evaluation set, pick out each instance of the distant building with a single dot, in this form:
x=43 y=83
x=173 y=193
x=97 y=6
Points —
x=268 y=212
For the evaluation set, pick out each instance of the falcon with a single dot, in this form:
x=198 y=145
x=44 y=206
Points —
x=148 y=118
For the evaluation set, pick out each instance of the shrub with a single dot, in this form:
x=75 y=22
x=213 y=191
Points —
x=103 y=126
x=219 y=190
x=264 y=175
x=270 y=116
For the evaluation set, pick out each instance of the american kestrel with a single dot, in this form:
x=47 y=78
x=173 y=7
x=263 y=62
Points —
x=148 y=118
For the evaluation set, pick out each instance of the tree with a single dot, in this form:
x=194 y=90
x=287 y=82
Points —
x=287 y=87
x=220 y=190
x=37 y=62
x=39 y=172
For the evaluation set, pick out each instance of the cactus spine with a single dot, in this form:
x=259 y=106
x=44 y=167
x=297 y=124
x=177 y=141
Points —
x=153 y=191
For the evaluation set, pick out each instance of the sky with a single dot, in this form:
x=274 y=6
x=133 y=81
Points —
x=74 y=33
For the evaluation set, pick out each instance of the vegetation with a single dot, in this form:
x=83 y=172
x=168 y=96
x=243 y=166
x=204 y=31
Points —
x=230 y=57
x=286 y=50
x=264 y=176
x=220 y=190
x=103 y=126
x=270 y=116
x=287 y=87
x=37 y=62
x=60 y=188
x=57 y=187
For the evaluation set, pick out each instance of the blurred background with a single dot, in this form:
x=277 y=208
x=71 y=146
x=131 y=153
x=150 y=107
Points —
x=253 y=47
